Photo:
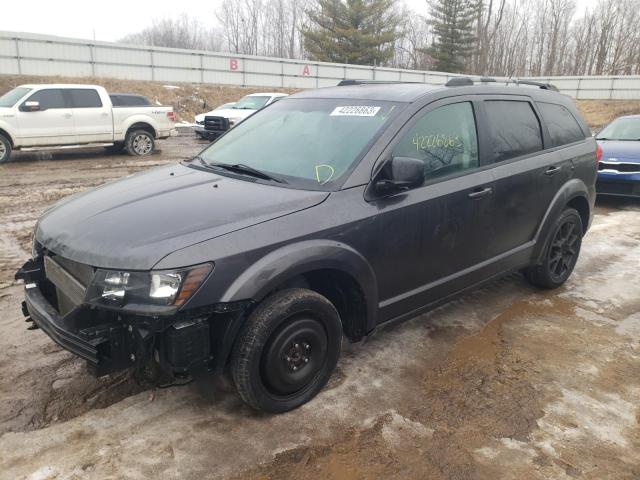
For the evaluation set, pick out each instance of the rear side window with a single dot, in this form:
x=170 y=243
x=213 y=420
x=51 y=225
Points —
x=444 y=139
x=49 y=98
x=562 y=125
x=84 y=98
x=515 y=129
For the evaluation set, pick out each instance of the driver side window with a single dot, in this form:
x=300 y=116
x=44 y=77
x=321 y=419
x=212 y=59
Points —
x=444 y=139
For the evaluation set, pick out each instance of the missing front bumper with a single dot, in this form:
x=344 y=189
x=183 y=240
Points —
x=106 y=347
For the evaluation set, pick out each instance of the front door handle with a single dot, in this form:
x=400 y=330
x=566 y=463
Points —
x=480 y=193
x=551 y=170
x=67 y=115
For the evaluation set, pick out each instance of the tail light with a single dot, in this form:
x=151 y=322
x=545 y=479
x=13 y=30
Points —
x=598 y=152
x=171 y=116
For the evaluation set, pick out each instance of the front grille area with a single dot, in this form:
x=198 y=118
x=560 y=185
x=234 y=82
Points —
x=70 y=280
x=622 y=167
x=216 y=124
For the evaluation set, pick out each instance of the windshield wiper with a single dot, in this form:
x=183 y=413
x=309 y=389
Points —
x=246 y=170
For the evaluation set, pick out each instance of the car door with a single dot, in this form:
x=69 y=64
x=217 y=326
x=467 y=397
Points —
x=429 y=238
x=93 y=120
x=51 y=123
x=525 y=174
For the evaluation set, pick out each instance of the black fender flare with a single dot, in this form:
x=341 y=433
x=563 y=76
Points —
x=574 y=188
x=286 y=263
x=293 y=260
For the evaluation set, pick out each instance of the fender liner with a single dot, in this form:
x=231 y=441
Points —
x=574 y=188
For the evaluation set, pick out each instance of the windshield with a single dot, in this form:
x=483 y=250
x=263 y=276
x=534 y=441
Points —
x=251 y=103
x=10 y=98
x=308 y=143
x=621 y=129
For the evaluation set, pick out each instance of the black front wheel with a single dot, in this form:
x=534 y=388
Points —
x=287 y=350
x=561 y=252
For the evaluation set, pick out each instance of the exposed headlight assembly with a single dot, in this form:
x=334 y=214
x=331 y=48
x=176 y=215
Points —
x=146 y=291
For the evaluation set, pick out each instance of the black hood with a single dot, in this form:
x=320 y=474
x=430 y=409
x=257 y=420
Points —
x=136 y=221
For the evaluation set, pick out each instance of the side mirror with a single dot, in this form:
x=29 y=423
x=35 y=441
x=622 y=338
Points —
x=401 y=173
x=31 y=106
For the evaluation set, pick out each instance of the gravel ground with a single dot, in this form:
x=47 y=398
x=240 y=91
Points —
x=506 y=382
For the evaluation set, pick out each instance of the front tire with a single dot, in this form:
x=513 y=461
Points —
x=560 y=253
x=5 y=149
x=140 y=143
x=287 y=350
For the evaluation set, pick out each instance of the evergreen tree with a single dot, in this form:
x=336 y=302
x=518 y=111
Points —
x=453 y=26
x=354 y=31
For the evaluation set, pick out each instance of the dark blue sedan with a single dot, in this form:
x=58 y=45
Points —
x=619 y=155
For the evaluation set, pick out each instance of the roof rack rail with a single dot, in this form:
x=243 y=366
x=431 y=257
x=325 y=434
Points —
x=544 y=86
x=346 y=83
x=468 y=81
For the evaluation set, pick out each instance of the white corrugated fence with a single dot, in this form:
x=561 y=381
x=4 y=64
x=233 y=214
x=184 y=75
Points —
x=34 y=54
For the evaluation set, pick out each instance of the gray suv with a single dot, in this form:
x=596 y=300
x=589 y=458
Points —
x=322 y=216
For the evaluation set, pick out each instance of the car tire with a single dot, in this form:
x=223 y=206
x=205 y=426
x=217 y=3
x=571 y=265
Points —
x=287 y=350
x=139 y=143
x=5 y=149
x=115 y=148
x=561 y=252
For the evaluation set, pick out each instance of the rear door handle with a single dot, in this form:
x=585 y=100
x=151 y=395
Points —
x=67 y=115
x=551 y=170
x=480 y=193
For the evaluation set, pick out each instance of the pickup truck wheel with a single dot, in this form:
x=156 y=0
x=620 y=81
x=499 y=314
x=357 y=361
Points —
x=287 y=350
x=561 y=252
x=5 y=149
x=139 y=143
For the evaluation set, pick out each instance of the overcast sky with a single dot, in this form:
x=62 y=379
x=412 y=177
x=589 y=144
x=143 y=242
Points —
x=113 y=19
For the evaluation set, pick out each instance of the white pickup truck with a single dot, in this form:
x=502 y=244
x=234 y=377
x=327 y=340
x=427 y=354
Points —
x=34 y=117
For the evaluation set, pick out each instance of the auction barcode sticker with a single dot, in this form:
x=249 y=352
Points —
x=355 y=111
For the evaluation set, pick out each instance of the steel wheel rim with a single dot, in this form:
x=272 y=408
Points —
x=294 y=356
x=142 y=144
x=3 y=150
x=563 y=251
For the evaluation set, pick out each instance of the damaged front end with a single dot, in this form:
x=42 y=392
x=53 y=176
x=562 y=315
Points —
x=116 y=320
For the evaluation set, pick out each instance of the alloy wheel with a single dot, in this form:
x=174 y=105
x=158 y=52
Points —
x=563 y=251
x=142 y=144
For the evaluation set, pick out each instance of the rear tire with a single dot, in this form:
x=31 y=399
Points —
x=5 y=149
x=140 y=143
x=287 y=350
x=561 y=252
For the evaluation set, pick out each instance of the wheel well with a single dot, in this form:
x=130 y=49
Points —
x=343 y=291
x=582 y=206
x=6 y=135
x=141 y=126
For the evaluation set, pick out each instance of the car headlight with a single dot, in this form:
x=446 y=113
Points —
x=139 y=290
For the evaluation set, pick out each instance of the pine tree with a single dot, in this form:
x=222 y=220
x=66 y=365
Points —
x=361 y=32
x=453 y=26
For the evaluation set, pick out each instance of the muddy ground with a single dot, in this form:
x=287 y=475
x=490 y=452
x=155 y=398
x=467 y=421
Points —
x=507 y=382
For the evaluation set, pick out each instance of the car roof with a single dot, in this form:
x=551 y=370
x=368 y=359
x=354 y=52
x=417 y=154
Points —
x=270 y=94
x=411 y=92
x=58 y=85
